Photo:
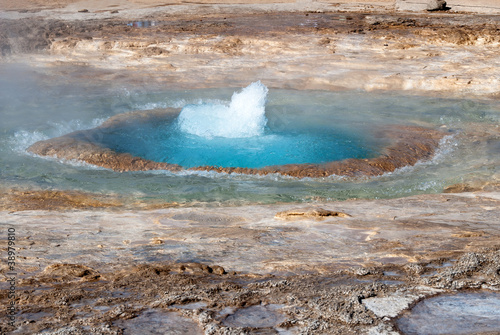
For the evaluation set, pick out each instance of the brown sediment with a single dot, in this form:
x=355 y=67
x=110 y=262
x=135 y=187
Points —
x=318 y=213
x=408 y=145
x=17 y=200
x=28 y=200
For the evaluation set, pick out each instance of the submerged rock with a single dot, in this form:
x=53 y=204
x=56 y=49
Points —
x=255 y=316
x=309 y=213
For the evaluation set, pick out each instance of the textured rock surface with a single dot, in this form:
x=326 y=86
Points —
x=85 y=269
x=309 y=213
x=435 y=53
x=103 y=270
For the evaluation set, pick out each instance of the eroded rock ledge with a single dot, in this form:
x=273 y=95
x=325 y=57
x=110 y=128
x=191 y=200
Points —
x=408 y=145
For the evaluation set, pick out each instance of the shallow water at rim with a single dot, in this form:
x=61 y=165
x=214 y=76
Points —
x=462 y=313
x=34 y=106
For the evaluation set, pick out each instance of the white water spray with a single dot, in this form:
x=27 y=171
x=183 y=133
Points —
x=244 y=117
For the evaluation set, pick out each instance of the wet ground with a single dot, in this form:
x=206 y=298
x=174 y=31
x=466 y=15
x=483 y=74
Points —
x=461 y=313
x=334 y=268
x=101 y=263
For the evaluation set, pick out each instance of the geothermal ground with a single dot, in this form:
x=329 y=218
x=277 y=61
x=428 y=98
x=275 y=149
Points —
x=111 y=264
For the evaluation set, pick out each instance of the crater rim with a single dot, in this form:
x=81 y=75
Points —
x=408 y=144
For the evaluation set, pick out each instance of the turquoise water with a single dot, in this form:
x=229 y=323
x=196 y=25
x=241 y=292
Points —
x=167 y=144
x=238 y=135
x=36 y=105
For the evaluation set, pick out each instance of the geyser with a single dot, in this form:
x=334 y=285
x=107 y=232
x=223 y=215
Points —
x=60 y=122
x=236 y=135
x=246 y=136
x=244 y=117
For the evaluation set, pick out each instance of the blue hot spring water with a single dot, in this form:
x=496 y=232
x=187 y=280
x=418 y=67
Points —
x=296 y=126
x=238 y=134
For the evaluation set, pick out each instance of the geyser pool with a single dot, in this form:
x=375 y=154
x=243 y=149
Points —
x=43 y=104
x=238 y=135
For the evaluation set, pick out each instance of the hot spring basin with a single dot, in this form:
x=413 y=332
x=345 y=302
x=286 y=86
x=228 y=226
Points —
x=463 y=313
x=258 y=316
x=242 y=137
x=159 y=322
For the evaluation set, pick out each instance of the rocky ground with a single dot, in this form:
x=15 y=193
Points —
x=334 y=268
x=434 y=53
x=104 y=266
x=89 y=264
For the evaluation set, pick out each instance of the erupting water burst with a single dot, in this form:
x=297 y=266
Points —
x=244 y=117
x=238 y=134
